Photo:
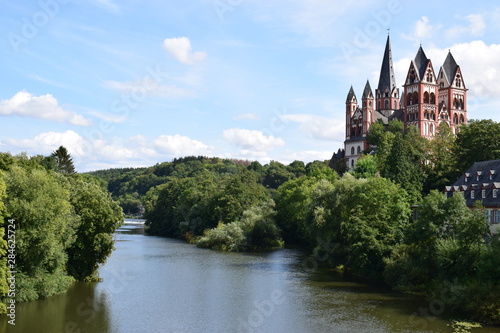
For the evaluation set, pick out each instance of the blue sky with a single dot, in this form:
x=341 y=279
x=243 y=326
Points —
x=134 y=83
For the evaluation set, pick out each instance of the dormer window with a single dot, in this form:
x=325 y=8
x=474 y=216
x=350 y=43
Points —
x=466 y=177
x=492 y=174
x=478 y=175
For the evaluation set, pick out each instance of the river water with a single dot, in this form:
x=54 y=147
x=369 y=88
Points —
x=153 y=284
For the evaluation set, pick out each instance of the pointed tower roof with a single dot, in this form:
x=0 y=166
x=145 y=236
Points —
x=421 y=62
x=368 y=90
x=350 y=95
x=387 y=79
x=450 y=67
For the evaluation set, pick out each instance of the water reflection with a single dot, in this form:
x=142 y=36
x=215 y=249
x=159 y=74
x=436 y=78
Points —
x=80 y=309
x=153 y=284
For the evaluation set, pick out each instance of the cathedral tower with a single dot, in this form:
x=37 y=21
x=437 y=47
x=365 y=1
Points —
x=421 y=91
x=452 y=100
x=387 y=94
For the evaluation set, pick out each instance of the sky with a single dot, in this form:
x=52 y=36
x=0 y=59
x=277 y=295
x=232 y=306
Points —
x=133 y=83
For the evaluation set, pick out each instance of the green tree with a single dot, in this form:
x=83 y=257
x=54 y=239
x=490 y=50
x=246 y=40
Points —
x=404 y=168
x=366 y=167
x=276 y=174
x=38 y=201
x=100 y=216
x=441 y=167
x=64 y=160
x=477 y=141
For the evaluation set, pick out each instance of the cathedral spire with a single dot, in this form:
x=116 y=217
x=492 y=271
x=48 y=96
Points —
x=367 y=93
x=387 y=79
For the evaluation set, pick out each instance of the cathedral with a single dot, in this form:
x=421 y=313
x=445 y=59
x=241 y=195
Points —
x=426 y=101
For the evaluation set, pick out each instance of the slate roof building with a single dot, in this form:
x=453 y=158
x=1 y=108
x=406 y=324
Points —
x=427 y=100
x=481 y=183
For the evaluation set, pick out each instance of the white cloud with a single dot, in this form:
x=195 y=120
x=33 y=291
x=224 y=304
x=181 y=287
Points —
x=43 y=107
x=475 y=28
x=93 y=154
x=142 y=88
x=46 y=142
x=318 y=127
x=250 y=116
x=306 y=156
x=423 y=30
x=112 y=118
x=252 y=140
x=178 y=145
x=180 y=49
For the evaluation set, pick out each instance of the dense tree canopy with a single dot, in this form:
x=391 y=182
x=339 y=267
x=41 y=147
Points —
x=53 y=212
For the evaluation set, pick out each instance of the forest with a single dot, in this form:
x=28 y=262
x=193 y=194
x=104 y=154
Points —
x=362 y=221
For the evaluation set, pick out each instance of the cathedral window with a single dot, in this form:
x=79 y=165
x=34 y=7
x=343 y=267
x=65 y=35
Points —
x=395 y=105
x=386 y=104
x=378 y=105
x=409 y=99
x=462 y=120
x=359 y=150
x=426 y=97
x=455 y=119
x=415 y=98
x=352 y=150
x=433 y=98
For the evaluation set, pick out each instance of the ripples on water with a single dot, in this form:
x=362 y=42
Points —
x=153 y=284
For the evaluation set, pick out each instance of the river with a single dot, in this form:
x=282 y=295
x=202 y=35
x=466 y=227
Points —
x=153 y=284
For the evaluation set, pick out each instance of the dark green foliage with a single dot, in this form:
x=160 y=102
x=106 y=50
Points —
x=63 y=160
x=276 y=174
x=99 y=217
x=441 y=167
x=45 y=228
x=444 y=243
x=366 y=167
x=364 y=219
x=50 y=211
x=477 y=141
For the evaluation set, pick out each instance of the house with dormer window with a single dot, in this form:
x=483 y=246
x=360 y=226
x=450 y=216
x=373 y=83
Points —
x=481 y=183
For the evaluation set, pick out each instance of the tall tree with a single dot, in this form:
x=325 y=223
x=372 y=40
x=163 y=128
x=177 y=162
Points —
x=64 y=160
x=100 y=216
x=478 y=141
x=441 y=168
